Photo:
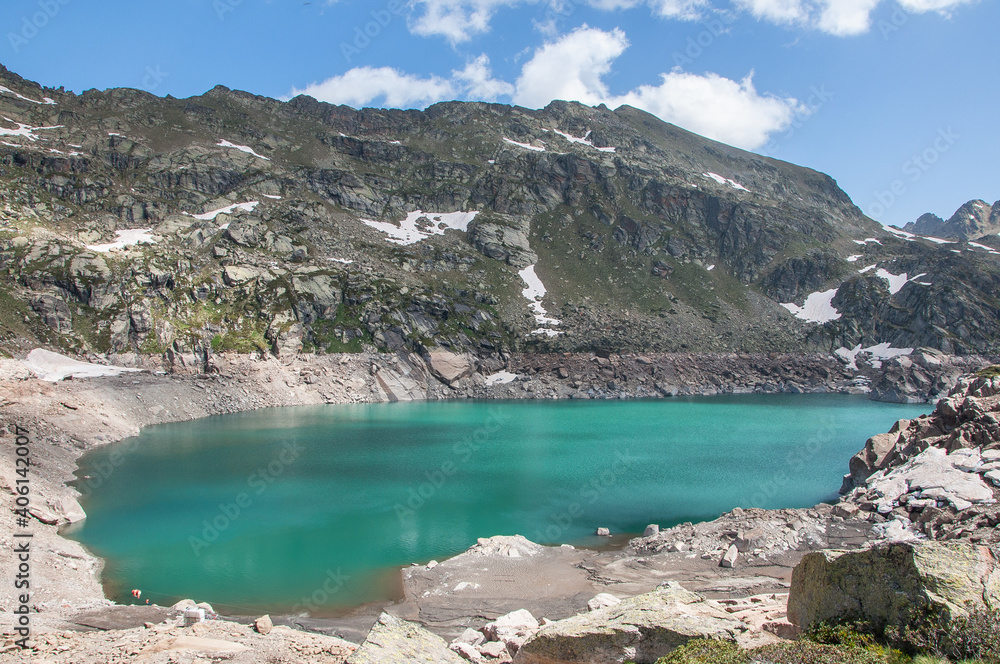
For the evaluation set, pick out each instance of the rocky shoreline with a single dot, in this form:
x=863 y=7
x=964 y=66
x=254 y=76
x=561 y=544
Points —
x=67 y=418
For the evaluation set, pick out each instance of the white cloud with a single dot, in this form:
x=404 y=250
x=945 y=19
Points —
x=688 y=10
x=940 y=6
x=456 y=20
x=846 y=17
x=385 y=86
x=776 y=11
x=389 y=87
x=478 y=82
x=461 y=20
x=717 y=107
x=573 y=68
x=842 y=18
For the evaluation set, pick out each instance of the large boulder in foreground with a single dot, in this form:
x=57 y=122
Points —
x=884 y=585
x=639 y=629
x=395 y=641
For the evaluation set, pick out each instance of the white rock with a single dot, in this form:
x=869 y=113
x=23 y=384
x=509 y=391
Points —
x=512 y=627
x=466 y=651
x=601 y=601
x=994 y=477
x=729 y=559
x=471 y=636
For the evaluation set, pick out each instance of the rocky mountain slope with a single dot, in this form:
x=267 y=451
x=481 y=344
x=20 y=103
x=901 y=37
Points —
x=972 y=221
x=178 y=228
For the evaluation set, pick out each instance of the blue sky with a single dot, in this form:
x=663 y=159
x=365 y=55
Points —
x=896 y=99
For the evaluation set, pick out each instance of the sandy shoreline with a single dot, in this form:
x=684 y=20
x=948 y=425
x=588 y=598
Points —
x=68 y=418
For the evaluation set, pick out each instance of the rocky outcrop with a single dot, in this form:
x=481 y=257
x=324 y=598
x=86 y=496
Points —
x=640 y=629
x=887 y=585
x=449 y=367
x=970 y=222
x=503 y=238
x=937 y=476
x=395 y=641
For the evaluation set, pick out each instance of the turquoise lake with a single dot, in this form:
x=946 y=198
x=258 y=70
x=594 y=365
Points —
x=315 y=508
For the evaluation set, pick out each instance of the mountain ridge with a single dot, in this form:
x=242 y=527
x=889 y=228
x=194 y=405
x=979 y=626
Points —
x=641 y=236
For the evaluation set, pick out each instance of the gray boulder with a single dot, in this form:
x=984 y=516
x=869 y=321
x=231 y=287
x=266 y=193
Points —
x=639 y=629
x=503 y=238
x=884 y=585
x=449 y=367
x=393 y=641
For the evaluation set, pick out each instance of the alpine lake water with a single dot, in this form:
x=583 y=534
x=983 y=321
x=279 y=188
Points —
x=314 y=509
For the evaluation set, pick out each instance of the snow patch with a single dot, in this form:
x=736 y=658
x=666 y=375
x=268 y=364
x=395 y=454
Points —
x=818 y=307
x=272 y=197
x=53 y=367
x=242 y=148
x=910 y=237
x=866 y=241
x=534 y=292
x=411 y=230
x=501 y=378
x=855 y=258
x=721 y=180
x=126 y=238
x=983 y=246
x=710 y=268
x=45 y=100
x=937 y=240
x=23 y=130
x=897 y=281
x=229 y=209
x=867 y=269
x=526 y=146
x=342 y=261
x=583 y=141
x=878 y=353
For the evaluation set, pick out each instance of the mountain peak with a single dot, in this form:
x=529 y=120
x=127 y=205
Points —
x=971 y=221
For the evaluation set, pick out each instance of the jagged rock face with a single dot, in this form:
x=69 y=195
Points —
x=645 y=236
x=970 y=222
x=802 y=275
x=947 y=302
x=888 y=585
